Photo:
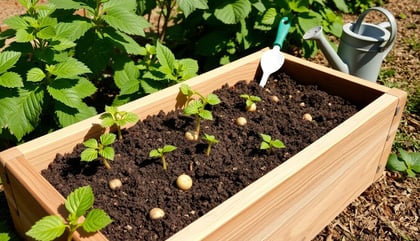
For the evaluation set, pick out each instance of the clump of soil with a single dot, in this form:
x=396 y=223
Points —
x=234 y=162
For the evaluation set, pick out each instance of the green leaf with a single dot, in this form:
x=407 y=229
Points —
x=193 y=107
x=89 y=155
x=168 y=148
x=155 y=153
x=266 y=138
x=231 y=13
x=11 y=80
x=79 y=201
x=48 y=228
x=341 y=4
x=415 y=164
x=107 y=153
x=72 y=31
x=95 y=220
x=69 y=68
x=67 y=115
x=395 y=164
x=35 y=75
x=308 y=20
x=269 y=16
x=188 y=6
x=264 y=146
x=8 y=59
x=278 y=144
x=126 y=77
x=16 y=22
x=410 y=173
x=91 y=143
x=125 y=21
x=206 y=115
x=22 y=36
x=107 y=138
x=21 y=114
x=107 y=121
x=189 y=68
x=212 y=99
x=186 y=90
x=165 y=57
x=122 y=41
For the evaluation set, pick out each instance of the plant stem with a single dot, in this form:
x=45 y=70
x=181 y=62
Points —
x=208 y=150
x=164 y=163
x=197 y=124
x=119 y=132
x=106 y=163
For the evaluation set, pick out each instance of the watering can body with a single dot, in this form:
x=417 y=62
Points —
x=362 y=48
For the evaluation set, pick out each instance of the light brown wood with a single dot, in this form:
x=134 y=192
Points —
x=294 y=201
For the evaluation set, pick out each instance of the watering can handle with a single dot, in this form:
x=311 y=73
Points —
x=392 y=24
x=282 y=31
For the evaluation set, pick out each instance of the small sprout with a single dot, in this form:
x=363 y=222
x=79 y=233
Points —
x=160 y=152
x=210 y=141
x=197 y=108
x=103 y=149
x=274 y=98
x=115 y=184
x=118 y=118
x=77 y=204
x=184 y=182
x=251 y=101
x=241 y=121
x=156 y=213
x=307 y=117
x=268 y=143
x=191 y=136
x=405 y=162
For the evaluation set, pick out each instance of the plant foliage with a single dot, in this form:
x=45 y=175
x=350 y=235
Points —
x=405 y=162
x=78 y=203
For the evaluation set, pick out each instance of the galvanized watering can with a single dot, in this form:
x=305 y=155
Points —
x=363 y=46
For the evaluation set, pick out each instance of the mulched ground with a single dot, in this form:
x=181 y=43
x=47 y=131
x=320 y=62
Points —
x=234 y=162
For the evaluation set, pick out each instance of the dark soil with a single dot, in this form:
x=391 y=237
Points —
x=235 y=162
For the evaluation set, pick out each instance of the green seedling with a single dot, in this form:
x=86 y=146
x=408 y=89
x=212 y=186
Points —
x=118 y=118
x=210 y=139
x=251 y=101
x=406 y=162
x=269 y=144
x=78 y=203
x=160 y=152
x=197 y=108
x=102 y=149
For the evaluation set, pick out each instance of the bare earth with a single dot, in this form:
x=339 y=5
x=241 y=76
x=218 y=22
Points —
x=390 y=208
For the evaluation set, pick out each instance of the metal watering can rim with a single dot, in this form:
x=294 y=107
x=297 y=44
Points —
x=392 y=25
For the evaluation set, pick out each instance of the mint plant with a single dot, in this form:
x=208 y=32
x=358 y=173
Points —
x=268 y=143
x=160 y=152
x=78 y=203
x=118 y=118
x=102 y=149
x=405 y=162
x=197 y=108
x=211 y=140
x=251 y=100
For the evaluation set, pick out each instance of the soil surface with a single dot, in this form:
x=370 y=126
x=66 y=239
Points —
x=234 y=162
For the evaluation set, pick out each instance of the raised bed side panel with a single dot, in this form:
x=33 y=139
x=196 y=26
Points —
x=402 y=100
x=299 y=198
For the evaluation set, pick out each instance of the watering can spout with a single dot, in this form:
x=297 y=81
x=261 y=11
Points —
x=333 y=58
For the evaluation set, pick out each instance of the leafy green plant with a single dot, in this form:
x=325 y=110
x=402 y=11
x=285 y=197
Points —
x=102 y=149
x=268 y=143
x=197 y=108
x=251 y=101
x=78 y=203
x=113 y=116
x=160 y=152
x=211 y=140
x=405 y=162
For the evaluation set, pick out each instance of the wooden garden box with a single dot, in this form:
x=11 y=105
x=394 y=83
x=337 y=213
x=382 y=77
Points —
x=295 y=201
